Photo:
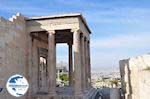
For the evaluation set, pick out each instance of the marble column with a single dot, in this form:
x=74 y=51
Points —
x=77 y=62
x=51 y=63
x=86 y=62
x=83 y=63
x=89 y=64
x=70 y=65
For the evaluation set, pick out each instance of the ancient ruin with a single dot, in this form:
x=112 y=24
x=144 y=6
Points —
x=28 y=47
x=135 y=74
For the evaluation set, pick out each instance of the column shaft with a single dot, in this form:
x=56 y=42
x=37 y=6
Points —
x=86 y=63
x=77 y=63
x=52 y=63
x=70 y=66
x=89 y=64
x=83 y=63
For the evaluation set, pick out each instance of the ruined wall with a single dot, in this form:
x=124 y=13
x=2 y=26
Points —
x=13 y=51
x=144 y=84
x=135 y=74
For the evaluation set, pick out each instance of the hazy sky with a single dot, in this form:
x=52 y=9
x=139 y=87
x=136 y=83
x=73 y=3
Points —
x=120 y=28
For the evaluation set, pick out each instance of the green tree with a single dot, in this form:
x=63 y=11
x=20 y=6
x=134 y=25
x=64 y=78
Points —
x=64 y=77
x=114 y=82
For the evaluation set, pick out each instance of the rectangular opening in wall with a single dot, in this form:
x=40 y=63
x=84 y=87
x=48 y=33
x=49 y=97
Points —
x=62 y=68
x=42 y=70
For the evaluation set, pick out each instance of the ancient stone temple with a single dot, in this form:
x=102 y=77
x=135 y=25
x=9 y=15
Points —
x=28 y=47
x=135 y=73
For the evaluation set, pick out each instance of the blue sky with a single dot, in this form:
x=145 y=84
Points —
x=120 y=28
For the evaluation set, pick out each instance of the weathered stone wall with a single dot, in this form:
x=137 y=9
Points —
x=135 y=77
x=13 y=51
x=144 y=84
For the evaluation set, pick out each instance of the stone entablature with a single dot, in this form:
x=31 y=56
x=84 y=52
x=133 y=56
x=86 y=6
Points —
x=60 y=22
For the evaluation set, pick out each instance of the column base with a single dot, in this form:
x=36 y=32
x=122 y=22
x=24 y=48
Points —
x=52 y=93
x=79 y=95
x=45 y=96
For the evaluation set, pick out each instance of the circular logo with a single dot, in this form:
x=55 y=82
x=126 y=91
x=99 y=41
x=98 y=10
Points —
x=17 y=85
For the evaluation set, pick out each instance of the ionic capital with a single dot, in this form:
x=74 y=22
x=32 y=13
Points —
x=51 y=31
x=76 y=30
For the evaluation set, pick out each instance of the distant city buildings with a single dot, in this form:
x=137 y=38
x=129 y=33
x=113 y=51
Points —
x=106 y=79
x=62 y=74
x=61 y=67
